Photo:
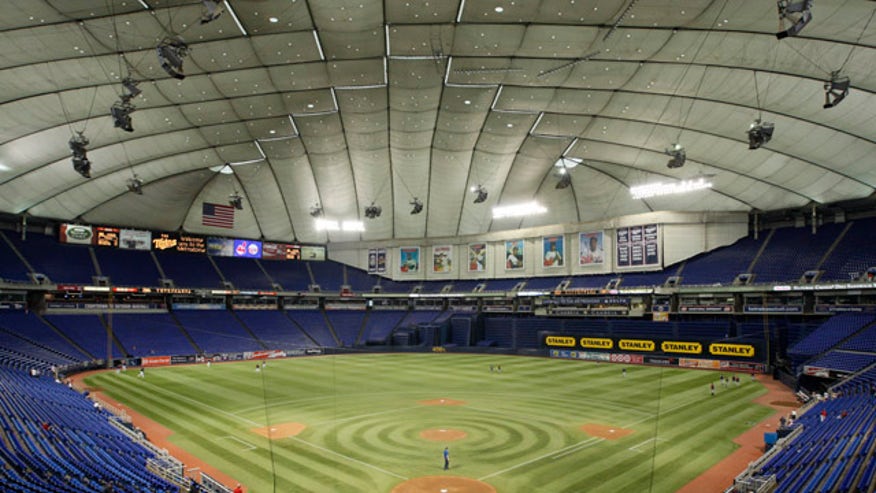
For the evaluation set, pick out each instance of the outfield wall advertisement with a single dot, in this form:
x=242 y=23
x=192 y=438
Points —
x=680 y=348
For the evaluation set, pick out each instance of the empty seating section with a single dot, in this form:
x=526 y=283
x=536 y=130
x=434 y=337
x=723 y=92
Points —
x=274 y=329
x=292 y=276
x=502 y=284
x=466 y=285
x=313 y=323
x=150 y=334
x=216 y=331
x=189 y=270
x=793 y=251
x=78 y=452
x=500 y=330
x=863 y=341
x=543 y=283
x=360 y=281
x=329 y=275
x=595 y=281
x=347 y=324
x=854 y=254
x=11 y=267
x=460 y=330
x=380 y=323
x=28 y=327
x=419 y=317
x=703 y=330
x=833 y=454
x=128 y=267
x=243 y=273
x=830 y=333
x=62 y=263
x=843 y=361
x=721 y=265
x=635 y=279
x=87 y=331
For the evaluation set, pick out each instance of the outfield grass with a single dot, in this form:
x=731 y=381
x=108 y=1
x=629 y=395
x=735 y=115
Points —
x=363 y=420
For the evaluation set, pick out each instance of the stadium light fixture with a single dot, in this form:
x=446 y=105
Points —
x=798 y=13
x=235 y=200
x=677 y=154
x=135 y=185
x=563 y=165
x=315 y=211
x=759 y=133
x=322 y=224
x=481 y=193
x=836 y=89
x=171 y=53
x=659 y=189
x=121 y=112
x=518 y=210
x=417 y=206
x=373 y=211
x=212 y=10
x=354 y=226
x=78 y=144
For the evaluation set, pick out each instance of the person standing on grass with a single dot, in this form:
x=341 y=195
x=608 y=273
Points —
x=446 y=458
x=712 y=388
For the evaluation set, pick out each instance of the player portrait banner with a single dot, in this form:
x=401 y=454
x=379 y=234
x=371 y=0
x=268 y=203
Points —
x=477 y=257
x=638 y=246
x=514 y=255
x=372 y=260
x=442 y=259
x=590 y=248
x=409 y=259
x=553 y=251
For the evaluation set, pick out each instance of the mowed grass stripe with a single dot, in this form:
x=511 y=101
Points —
x=364 y=417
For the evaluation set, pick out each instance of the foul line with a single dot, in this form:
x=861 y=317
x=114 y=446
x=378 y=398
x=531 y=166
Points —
x=578 y=448
x=588 y=442
x=247 y=446
x=351 y=459
x=635 y=447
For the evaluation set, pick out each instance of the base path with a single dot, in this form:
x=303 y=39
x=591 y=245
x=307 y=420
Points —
x=158 y=435
x=443 y=484
x=606 y=432
x=720 y=477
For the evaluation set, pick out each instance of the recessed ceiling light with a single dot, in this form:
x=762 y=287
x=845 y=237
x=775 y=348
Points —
x=272 y=132
x=509 y=125
x=310 y=105
x=467 y=101
x=499 y=9
x=273 y=20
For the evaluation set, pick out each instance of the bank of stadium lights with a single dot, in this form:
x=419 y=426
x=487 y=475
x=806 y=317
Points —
x=481 y=193
x=122 y=109
x=660 y=189
x=135 y=185
x=759 y=133
x=677 y=156
x=373 y=211
x=78 y=144
x=171 y=53
x=798 y=13
x=563 y=165
x=235 y=200
x=836 y=89
x=518 y=210
x=333 y=225
x=417 y=206
x=211 y=11
x=316 y=211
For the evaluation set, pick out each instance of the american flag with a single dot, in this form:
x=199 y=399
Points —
x=218 y=215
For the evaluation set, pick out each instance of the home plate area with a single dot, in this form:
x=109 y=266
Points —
x=281 y=430
x=605 y=431
x=443 y=484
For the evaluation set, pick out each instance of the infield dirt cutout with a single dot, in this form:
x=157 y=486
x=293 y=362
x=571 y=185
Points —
x=604 y=431
x=443 y=434
x=282 y=430
x=442 y=402
x=443 y=484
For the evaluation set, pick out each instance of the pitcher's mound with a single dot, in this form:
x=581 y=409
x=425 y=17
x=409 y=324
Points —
x=281 y=430
x=443 y=484
x=443 y=435
x=606 y=432
x=442 y=402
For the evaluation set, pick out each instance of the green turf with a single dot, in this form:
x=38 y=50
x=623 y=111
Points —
x=363 y=420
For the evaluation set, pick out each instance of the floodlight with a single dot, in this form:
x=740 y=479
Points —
x=759 y=133
x=135 y=185
x=212 y=11
x=565 y=180
x=171 y=52
x=837 y=87
x=799 y=13
x=121 y=113
x=131 y=85
x=418 y=206
x=81 y=163
x=316 y=211
x=678 y=156
x=236 y=201
x=481 y=194
x=373 y=211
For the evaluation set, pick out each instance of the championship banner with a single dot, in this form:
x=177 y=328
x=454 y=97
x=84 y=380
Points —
x=638 y=246
x=372 y=260
x=381 y=260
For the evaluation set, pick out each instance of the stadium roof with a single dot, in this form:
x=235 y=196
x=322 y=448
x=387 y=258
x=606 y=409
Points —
x=348 y=103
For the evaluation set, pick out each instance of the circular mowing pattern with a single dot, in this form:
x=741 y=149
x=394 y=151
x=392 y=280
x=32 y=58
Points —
x=443 y=434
